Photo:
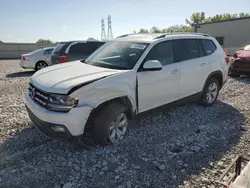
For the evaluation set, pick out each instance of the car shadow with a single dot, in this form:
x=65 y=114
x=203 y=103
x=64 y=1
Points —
x=161 y=150
x=20 y=74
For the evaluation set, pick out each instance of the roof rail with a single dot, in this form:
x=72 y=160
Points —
x=125 y=35
x=165 y=34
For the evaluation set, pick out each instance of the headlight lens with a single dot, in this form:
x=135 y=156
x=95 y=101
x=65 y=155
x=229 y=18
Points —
x=61 y=102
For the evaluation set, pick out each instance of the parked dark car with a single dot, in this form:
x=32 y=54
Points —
x=241 y=63
x=73 y=50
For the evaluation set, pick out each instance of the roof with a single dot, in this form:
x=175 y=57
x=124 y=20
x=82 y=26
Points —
x=81 y=41
x=155 y=36
x=234 y=19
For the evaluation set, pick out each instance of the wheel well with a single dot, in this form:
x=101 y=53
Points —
x=123 y=100
x=218 y=76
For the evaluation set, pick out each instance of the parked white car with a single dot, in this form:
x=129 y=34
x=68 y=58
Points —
x=125 y=77
x=37 y=59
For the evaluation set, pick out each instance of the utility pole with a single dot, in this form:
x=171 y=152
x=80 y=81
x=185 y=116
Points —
x=103 y=33
x=110 y=33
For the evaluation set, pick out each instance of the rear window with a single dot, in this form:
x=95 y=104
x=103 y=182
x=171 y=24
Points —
x=58 y=47
x=208 y=46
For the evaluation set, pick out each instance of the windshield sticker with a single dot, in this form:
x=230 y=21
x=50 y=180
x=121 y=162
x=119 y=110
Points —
x=138 y=46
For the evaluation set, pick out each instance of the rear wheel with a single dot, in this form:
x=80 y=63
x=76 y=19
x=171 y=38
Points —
x=41 y=65
x=110 y=124
x=210 y=92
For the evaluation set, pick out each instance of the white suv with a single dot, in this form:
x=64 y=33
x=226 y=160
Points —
x=127 y=76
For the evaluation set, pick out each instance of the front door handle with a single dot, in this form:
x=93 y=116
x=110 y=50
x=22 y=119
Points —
x=203 y=64
x=174 y=71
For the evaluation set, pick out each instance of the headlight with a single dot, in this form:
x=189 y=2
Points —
x=62 y=103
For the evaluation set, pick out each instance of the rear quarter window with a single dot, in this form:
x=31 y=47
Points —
x=208 y=46
x=60 y=47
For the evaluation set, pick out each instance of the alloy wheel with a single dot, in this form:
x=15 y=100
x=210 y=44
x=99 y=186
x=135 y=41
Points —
x=212 y=92
x=41 y=65
x=118 y=128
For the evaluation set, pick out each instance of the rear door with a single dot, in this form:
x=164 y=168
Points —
x=194 y=66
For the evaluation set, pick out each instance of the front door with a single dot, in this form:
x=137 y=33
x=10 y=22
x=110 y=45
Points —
x=156 y=88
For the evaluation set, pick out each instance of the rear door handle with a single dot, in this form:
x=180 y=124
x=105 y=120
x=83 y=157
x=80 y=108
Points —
x=174 y=71
x=203 y=64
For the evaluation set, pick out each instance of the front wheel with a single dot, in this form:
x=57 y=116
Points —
x=210 y=92
x=41 y=65
x=110 y=124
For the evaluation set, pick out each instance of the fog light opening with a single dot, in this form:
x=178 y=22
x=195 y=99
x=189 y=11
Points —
x=58 y=129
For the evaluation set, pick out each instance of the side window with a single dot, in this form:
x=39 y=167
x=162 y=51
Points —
x=200 y=48
x=187 y=49
x=79 y=48
x=92 y=46
x=46 y=52
x=49 y=51
x=208 y=46
x=163 y=52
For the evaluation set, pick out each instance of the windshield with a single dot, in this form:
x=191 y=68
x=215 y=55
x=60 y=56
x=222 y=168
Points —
x=247 y=48
x=117 y=55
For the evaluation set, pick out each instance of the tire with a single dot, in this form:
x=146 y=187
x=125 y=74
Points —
x=211 y=89
x=41 y=65
x=104 y=126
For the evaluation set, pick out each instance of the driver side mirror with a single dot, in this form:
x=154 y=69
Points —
x=152 y=65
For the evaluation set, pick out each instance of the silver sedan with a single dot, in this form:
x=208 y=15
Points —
x=37 y=59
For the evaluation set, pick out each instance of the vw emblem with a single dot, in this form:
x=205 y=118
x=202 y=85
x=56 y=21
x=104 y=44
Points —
x=33 y=92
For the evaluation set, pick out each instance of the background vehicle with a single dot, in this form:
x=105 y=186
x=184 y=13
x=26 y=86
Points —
x=125 y=77
x=73 y=50
x=241 y=63
x=37 y=59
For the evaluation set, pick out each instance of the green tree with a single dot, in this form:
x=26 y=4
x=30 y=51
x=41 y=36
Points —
x=155 y=30
x=243 y=15
x=1 y=41
x=91 y=38
x=196 y=18
x=226 y=16
x=177 y=28
x=44 y=41
x=143 y=31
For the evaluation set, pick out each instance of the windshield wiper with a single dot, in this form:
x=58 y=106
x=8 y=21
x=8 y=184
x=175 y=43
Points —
x=83 y=60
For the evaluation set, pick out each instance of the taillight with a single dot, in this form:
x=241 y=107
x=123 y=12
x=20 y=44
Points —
x=227 y=60
x=63 y=59
x=22 y=58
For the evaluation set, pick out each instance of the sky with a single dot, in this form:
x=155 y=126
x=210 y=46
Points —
x=62 y=20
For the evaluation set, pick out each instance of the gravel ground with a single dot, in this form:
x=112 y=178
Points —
x=188 y=146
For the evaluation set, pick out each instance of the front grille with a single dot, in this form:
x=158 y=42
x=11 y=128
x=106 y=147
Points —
x=38 y=96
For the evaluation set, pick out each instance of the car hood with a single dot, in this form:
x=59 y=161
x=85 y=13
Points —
x=63 y=77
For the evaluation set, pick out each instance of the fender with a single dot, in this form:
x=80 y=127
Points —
x=218 y=72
